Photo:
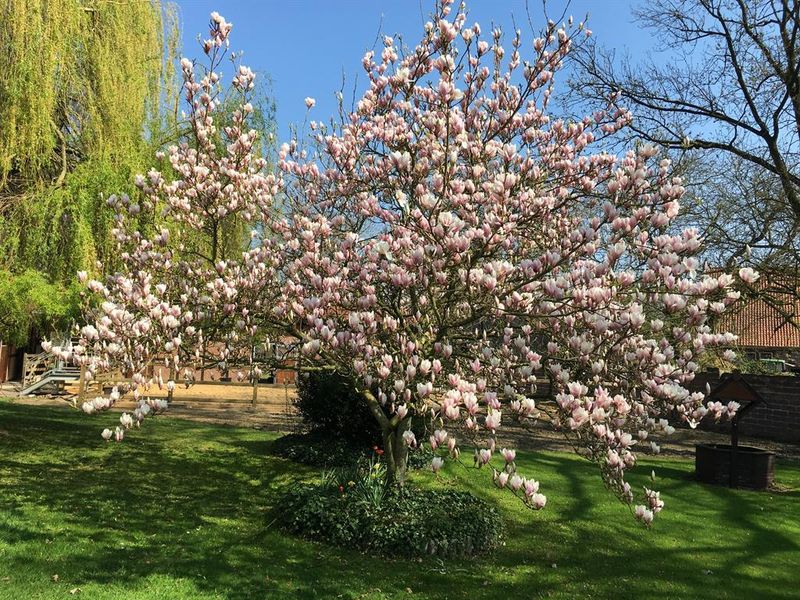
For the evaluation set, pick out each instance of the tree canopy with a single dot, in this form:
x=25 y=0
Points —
x=447 y=246
x=83 y=97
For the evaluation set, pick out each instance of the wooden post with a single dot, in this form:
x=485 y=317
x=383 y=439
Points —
x=287 y=409
x=253 y=375
x=203 y=362
x=734 y=447
x=82 y=385
x=170 y=392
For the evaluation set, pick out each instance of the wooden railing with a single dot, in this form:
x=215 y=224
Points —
x=98 y=383
x=35 y=365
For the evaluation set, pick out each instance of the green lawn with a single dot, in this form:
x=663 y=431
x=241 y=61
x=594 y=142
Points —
x=185 y=510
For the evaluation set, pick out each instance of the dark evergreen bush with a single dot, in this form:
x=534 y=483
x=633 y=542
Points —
x=407 y=523
x=329 y=404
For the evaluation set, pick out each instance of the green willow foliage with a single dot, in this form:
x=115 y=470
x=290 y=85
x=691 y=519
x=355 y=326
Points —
x=82 y=105
x=60 y=230
x=29 y=304
x=81 y=108
x=87 y=76
x=88 y=94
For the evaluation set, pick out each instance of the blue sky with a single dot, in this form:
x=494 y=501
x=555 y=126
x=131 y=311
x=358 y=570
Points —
x=306 y=46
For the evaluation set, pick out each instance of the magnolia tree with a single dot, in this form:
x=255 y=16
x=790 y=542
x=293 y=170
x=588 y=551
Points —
x=175 y=302
x=448 y=246
x=452 y=246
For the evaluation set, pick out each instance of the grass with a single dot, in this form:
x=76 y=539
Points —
x=185 y=510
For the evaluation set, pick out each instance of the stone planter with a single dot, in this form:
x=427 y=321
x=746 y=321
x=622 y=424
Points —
x=755 y=468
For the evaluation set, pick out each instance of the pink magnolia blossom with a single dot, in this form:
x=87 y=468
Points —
x=748 y=275
x=508 y=454
x=447 y=247
x=470 y=266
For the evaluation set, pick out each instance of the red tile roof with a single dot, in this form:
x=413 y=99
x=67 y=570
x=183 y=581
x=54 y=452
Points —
x=767 y=323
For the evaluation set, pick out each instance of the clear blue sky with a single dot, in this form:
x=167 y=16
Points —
x=305 y=46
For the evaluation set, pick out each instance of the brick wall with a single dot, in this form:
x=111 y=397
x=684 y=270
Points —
x=280 y=376
x=5 y=360
x=777 y=418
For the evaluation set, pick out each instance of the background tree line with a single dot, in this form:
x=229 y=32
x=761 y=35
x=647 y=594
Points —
x=111 y=102
x=725 y=105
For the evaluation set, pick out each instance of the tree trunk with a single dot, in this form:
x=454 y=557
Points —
x=396 y=453
x=395 y=449
x=171 y=392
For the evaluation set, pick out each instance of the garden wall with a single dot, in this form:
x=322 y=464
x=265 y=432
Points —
x=778 y=418
x=5 y=361
x=280 y=376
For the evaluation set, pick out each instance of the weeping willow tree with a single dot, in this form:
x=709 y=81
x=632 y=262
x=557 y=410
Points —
x=87 y=91
x=82 y=102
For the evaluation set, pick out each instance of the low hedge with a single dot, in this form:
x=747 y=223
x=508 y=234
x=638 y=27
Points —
x=402 y=523
x=319 y=448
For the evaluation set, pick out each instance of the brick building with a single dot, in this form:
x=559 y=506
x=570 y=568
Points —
x=768 y=325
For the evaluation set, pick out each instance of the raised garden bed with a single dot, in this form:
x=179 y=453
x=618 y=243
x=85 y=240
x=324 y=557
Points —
x=754 y=468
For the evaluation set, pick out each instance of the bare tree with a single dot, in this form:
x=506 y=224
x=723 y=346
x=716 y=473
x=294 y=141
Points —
x=724 y=102
x=732 y=83
x=745 y=219
x=742 y=212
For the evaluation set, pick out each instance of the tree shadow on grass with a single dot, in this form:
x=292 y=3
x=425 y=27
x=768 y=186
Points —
x=717 y=541
x=709 y=542
x=180 y=499
x=201 y=503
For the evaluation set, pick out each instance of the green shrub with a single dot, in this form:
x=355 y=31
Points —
x=328 y=403
x=354 y=510
x=319 y=448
